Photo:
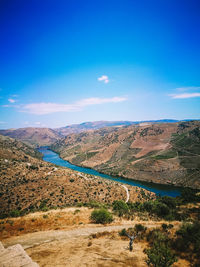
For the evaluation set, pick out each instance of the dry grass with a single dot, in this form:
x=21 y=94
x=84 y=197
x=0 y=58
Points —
x=44 y=221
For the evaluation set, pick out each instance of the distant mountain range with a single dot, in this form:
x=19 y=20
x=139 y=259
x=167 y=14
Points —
x=47 y=136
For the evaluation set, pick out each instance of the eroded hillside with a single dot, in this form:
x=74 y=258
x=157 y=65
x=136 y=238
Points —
x=33 y=136
x=167 y=153
x=29 y=184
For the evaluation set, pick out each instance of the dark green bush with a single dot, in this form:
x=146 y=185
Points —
x=140 y=228
x=157 y=235
x=123 y=232
x=188 y=241
x=43 y=204
x=120 y=207
x=189 y=195
x=171 y=202
x=160 y=255
x=101 y=216
x=189 y=237
x=15 y=213
x=161 y=209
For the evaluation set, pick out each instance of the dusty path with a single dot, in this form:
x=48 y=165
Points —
x=38 y=238
x=127 y=193
x=75 y=248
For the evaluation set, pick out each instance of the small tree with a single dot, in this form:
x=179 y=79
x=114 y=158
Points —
x=101 y=216
x=120 y=207
x=160 y=255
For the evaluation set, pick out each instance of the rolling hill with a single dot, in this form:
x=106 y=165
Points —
x=167 y=153
x=29 y=184
x=47 y=136
x=33 y=136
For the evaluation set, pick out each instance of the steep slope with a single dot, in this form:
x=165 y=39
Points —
x=11 y=148
x=28 y=183
x=167 y=153
x=33 y=136
x=47 y=136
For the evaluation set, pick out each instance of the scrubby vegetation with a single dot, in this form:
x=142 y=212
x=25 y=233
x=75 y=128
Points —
x=168 y=208
x=120 y=207
x=188 y=241
x=166 y=246
x=101 y=216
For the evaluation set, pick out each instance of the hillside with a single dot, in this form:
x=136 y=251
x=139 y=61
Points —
x=87 y=126
x=167 y=153
x=29 y=184
x=47 y=136
x=33 y=136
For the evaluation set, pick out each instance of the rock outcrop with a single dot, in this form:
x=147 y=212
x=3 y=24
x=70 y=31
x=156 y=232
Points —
x=15 y=256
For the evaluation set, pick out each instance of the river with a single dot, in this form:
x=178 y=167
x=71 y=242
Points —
x=163 y=190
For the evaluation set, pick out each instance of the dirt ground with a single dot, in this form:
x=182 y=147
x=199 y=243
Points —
x=84 y=251
x=67 y=238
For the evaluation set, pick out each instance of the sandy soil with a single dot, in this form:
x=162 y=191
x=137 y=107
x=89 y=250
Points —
x=76 y=245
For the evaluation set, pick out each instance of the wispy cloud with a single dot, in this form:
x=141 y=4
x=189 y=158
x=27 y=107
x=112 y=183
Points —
x=47 y=108
x=103 y=78
x=11 y=100
x=184 y=95
x=11 y=106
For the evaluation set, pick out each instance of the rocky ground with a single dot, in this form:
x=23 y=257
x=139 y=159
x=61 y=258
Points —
x=28 y=183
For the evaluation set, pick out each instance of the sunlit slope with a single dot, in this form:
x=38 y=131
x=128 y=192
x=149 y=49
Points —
x=167 y=153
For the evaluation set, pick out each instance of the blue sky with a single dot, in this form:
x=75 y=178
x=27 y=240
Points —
x=64 y=62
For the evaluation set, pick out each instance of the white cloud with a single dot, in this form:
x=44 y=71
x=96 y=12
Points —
x=185 y=95
x=103 y=78
x=47 y=108
x=11 y=100
x=37 y=123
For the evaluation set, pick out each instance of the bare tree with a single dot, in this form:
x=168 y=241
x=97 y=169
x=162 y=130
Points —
x=131 y=240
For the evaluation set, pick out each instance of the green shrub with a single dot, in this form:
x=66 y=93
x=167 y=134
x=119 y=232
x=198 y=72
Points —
x=189 y=195
x=171 y=202
x=161 y=209
x=101 y=216
x=120 y=207
x=160 y=255
x=188 y=241
x=94 y=204
x=43 y=204
x=123 y=232
x=157 y=235
x=15 y=213
x=164 y=226
x=189 y=237
x=140 y=228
